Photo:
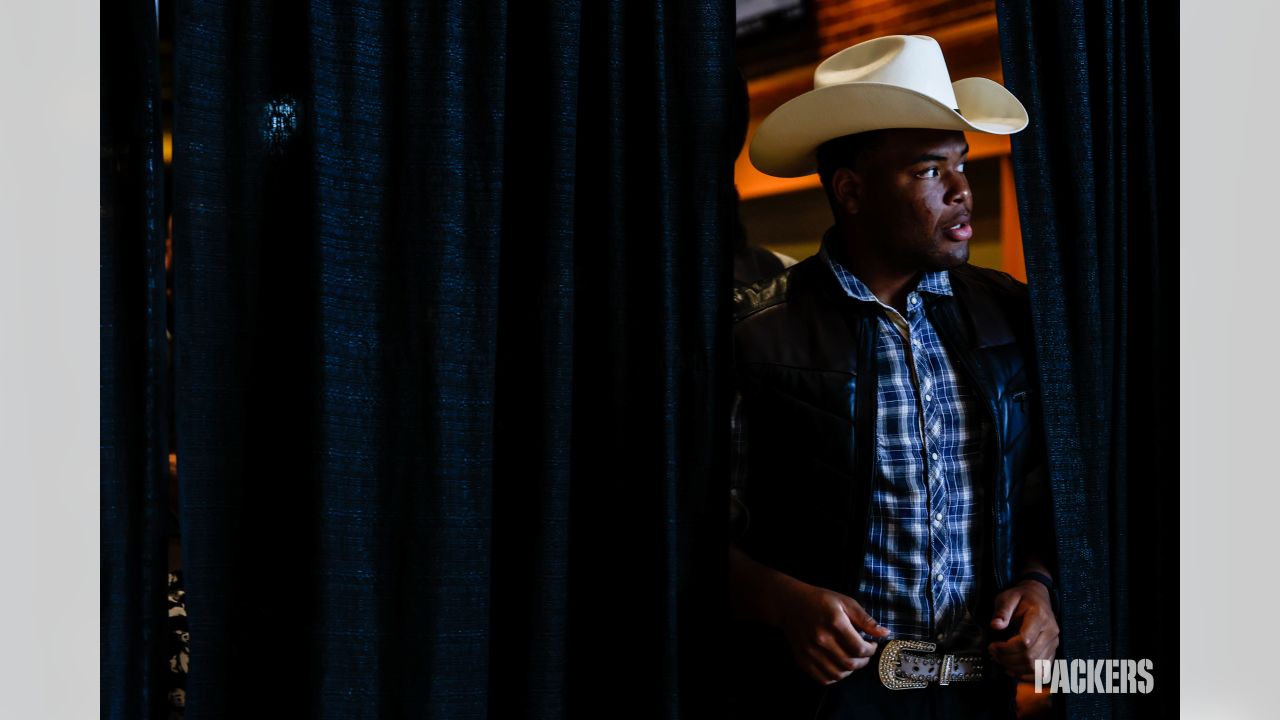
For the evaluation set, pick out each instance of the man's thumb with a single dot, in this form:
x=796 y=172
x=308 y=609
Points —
x=1005 y=604
x=861 y=619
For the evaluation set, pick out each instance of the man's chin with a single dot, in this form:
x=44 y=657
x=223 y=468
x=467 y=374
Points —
x=949 y=260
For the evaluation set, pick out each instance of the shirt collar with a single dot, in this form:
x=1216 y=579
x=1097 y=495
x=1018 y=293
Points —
x=937 y=282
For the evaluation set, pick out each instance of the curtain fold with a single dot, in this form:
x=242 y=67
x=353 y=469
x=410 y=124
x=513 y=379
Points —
x=451 y=316
x=1097 y=198
x=134 y=370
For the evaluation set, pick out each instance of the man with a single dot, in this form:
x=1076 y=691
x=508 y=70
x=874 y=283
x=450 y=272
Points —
x=892 y=555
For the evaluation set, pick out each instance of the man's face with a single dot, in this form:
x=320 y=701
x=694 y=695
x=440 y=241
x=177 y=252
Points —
x=914 y=199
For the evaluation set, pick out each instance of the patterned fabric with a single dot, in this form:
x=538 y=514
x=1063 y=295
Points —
x=179 y=646
x=920 y=575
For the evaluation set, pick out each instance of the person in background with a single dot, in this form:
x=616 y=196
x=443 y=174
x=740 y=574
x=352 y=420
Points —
x=751 y=263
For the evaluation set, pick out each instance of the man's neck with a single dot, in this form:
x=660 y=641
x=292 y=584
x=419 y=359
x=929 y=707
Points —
x=889 y=285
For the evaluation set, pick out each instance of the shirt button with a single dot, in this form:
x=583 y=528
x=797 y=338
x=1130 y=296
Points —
x=912 y=299
x=939 y=516
x=934 y=456
x=928 y=398
x=939 y=577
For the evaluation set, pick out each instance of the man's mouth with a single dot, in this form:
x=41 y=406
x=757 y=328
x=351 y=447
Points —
x=959 y=232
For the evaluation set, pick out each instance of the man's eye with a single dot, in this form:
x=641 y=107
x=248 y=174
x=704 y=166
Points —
x=928 y=173
x=960 y=167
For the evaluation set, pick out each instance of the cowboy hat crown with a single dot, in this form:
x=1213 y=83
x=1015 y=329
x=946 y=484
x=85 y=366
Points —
x=899 y=81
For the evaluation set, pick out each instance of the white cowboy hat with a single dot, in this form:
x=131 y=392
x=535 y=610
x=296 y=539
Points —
x=899 y=81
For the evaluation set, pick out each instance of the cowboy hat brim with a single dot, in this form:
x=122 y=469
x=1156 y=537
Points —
x=786 y=143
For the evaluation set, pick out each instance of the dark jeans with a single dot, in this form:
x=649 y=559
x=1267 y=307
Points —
x=861 y=696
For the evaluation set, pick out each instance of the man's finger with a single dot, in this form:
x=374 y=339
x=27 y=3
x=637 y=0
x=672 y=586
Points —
x=1028 y=639
x=818 y=673
x=861 y=620
x=854 y=665
x=1019 y=653
x=813 y=669
x=828 y=669
x=1006 y=603
x=850 y=641
x=1015 y=644
x=833 y=654
x=1037 y=643
x=1046 y=646
x=1011 y=666
x=811 y=666
x=1033 y=623
x=1009 y=649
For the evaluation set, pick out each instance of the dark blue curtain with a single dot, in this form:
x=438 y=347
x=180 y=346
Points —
x=1097 y=182
x=450 y=323
x=134 y=392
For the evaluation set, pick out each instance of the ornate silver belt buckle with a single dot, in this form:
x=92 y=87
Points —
x=889 y=664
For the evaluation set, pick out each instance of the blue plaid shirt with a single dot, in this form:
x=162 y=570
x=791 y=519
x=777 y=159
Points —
x=920 y=575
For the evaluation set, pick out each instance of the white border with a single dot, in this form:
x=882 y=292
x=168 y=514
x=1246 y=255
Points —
x=1230 y=235
x=49 y=359
x=1230 y=250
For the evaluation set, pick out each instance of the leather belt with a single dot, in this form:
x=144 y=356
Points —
x=910 y=664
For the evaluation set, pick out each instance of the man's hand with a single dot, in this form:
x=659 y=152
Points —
x=820 y=625
x=1026 y=607
x=822 y=628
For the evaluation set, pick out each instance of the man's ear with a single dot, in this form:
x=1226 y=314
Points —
x=846 y=186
